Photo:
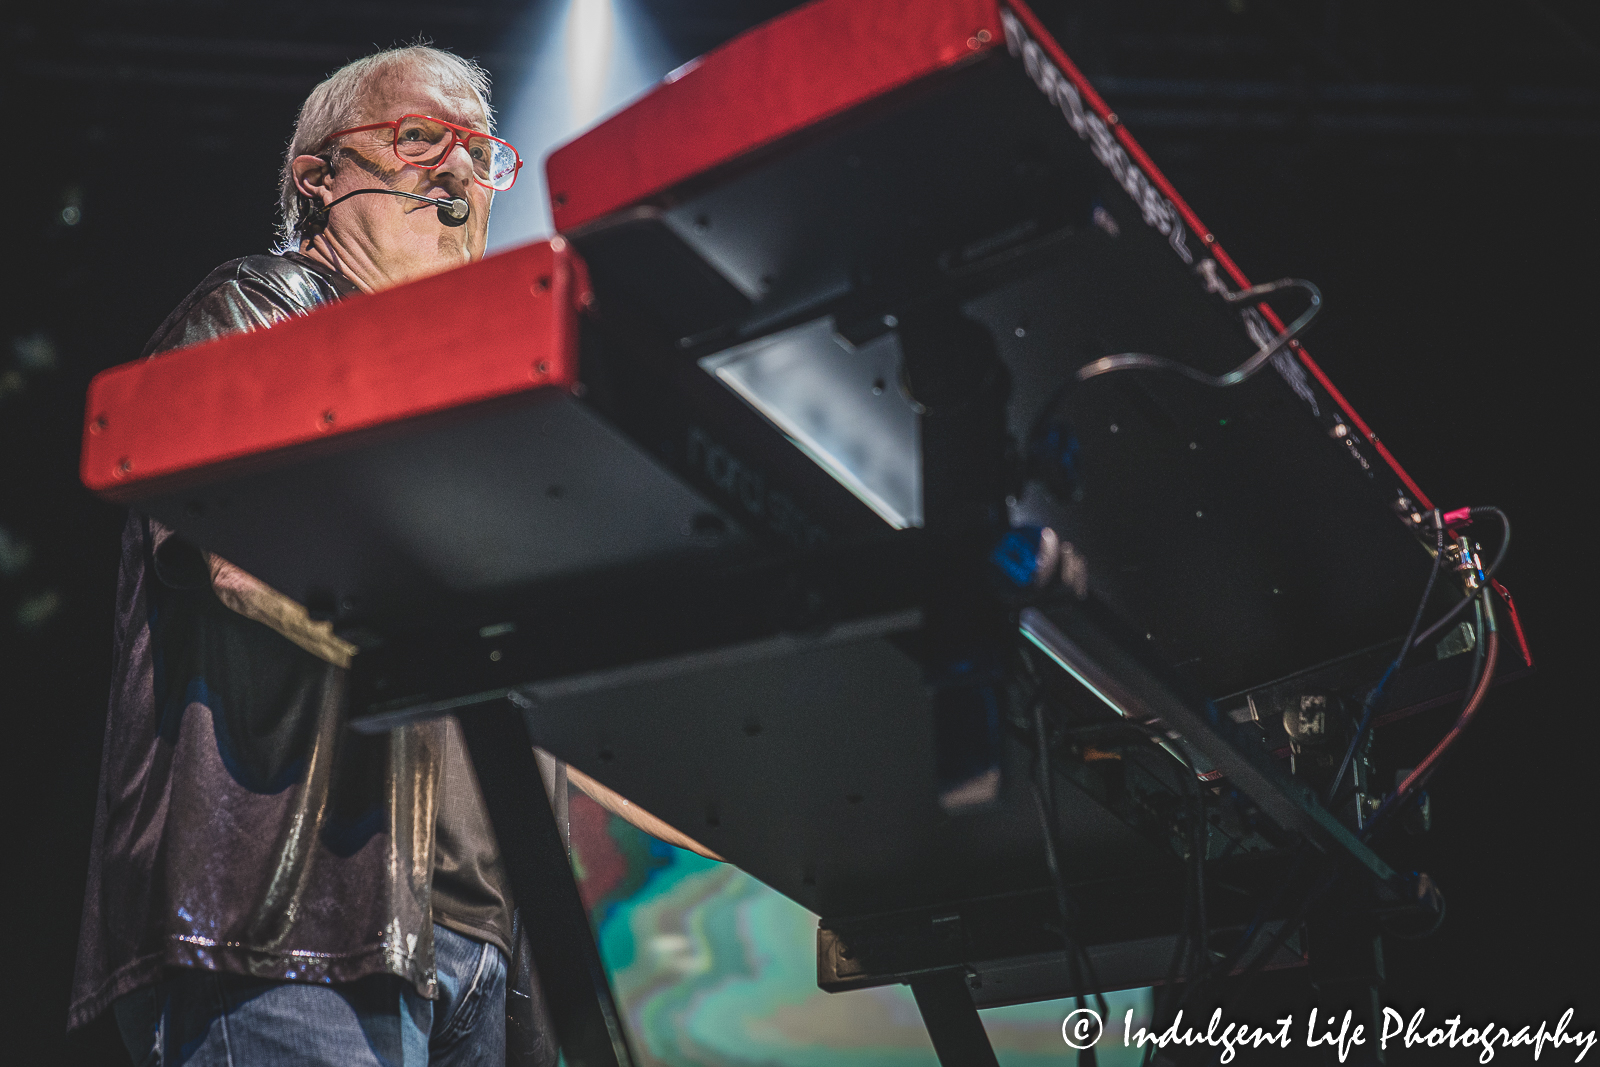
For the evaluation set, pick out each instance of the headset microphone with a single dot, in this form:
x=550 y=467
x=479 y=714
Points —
x=453 y=211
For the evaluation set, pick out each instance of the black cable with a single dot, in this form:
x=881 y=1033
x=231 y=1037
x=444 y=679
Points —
x=1369 y=706
x=1474 y=677
x=1397 y=800
x=1137 y=361
x=1161 y=1003
x=1080 y=966
x=1320 y=887
x=1080 y=969
x=1479 y=646
x=1245 y=370
x=1487 y=576
x=1479 y=650
x=1190 y=956
x=1419 y=777
x=1394 y=802
x=1077 y=956
x=453 y=211
x=1193 y=936
x=1243 y=952
x=1202 y=839
x=1063 y=905
x=1198 y=936
x=1475 y=698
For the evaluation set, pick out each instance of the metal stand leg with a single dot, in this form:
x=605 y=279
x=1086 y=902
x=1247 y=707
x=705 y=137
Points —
x=1347 y=970
x=952 y=1020
x=954 y=370
x=563 y=946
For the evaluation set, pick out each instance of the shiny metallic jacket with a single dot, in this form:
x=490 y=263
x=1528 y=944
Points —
x=239 y=826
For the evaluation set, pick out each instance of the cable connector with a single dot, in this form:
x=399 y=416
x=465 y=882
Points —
x=1465 y=556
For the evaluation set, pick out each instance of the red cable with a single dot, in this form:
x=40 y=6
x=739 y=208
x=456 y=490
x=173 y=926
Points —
x=1420 y=775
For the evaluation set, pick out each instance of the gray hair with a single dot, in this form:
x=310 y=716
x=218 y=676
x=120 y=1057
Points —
x=338 y=103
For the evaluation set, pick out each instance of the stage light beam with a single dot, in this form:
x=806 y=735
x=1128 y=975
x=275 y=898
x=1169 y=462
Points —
x=590 y=46
x=585 y=59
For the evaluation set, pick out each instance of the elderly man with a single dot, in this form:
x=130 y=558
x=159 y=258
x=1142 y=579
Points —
x=265 y=886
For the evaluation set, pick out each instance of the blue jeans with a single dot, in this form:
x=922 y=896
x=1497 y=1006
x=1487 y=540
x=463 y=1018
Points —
x=200 y=1018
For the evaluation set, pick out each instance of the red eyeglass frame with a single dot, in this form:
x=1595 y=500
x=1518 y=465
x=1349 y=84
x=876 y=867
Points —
x=455 y=139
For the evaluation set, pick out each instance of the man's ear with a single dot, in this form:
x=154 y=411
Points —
x=313 y=176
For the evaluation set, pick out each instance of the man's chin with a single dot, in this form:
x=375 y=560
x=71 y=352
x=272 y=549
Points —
x=454 y=248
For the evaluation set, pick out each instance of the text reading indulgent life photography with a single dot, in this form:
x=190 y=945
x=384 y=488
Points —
x=1084 y=1027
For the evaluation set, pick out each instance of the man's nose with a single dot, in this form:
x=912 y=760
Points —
x=457 y=163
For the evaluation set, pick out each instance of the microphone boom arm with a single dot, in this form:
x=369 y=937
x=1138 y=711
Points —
x=453 y=211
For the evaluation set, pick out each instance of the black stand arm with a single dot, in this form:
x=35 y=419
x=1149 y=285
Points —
x=952 y=1020
x=563 y=946
x=953 y=371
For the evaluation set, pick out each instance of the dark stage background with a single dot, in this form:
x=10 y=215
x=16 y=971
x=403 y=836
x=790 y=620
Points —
x=1432 y=166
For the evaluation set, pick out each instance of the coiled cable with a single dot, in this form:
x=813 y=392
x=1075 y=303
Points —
x=1245 y=370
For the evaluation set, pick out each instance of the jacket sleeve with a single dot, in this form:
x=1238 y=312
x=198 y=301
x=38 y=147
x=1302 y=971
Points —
x=238 y=304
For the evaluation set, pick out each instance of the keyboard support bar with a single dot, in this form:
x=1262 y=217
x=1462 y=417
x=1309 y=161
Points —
x=542 y=883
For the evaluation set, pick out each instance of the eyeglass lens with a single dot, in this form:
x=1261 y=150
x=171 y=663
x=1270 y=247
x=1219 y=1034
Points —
x=424 y=143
